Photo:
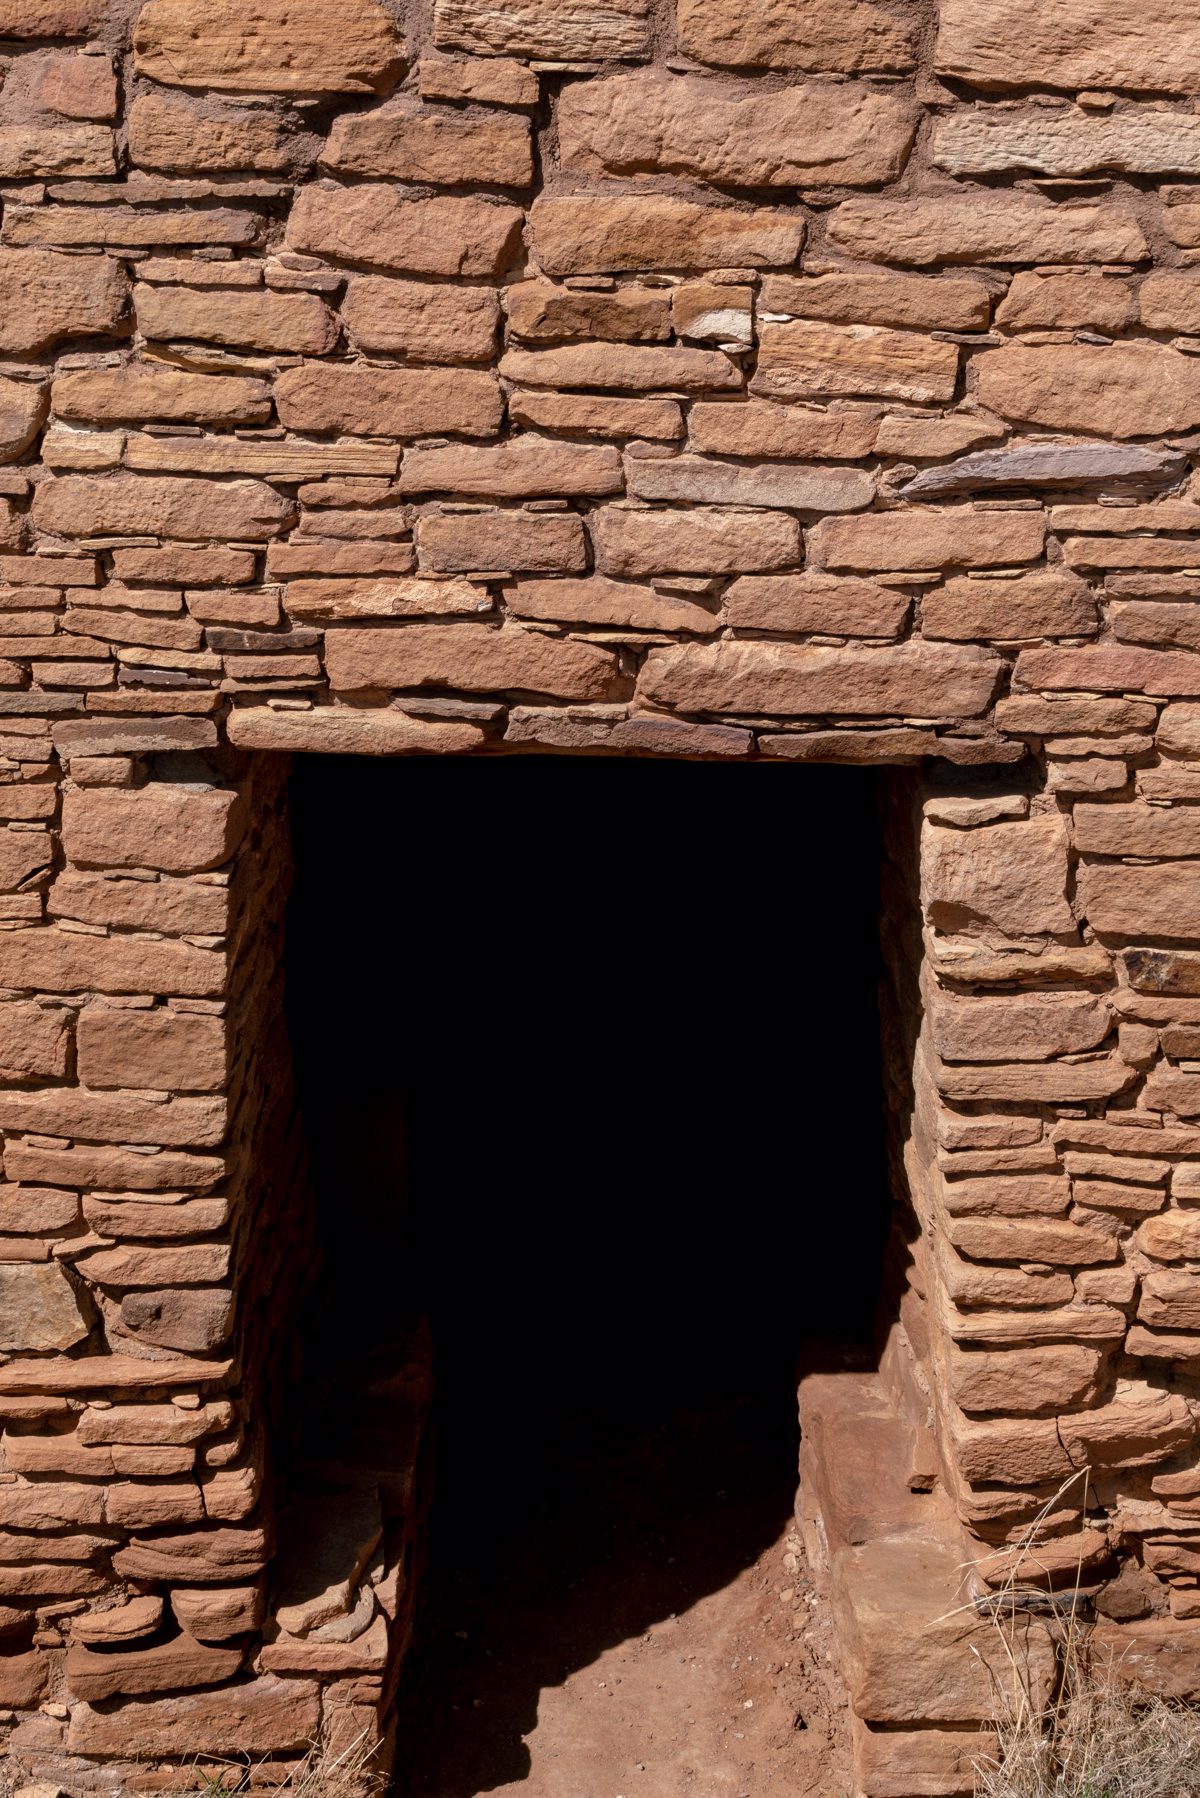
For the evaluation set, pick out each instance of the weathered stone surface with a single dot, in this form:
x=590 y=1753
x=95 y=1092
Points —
x=1015 y=609
x=55 y=150
x=268 y=46
x=426 y=321
x=682 y=125
x=144 y=392
x=1123 y=390
x=46 y=298
x=1081 y=45
x=475 y=657
x=1137 y=829
x=1119 y=669
x=293 y=323
x=503 y=542
x=868 y=297
x=588 y=234
x=34 y=1041
x=597 y=600
x=1024 y=1381
x=1171 y=302
x=498 y=81
x=927 y=537
x=389 y=402
x=166 y=132
x=623 y=367
x=760 y=428
x=131 y=504
x=851 y=37
x=561 y=30
x=1047 y=465
x=180 y=830
x=640 y=543
x=377 y=227
x=696 y=478
x=986 y=226
x=40 y=1309
x=795 y=681
x=542 y=312
x=407 y=142
x=804 y=357
x=815 y=604
x=151 y=1049
x=129 y=227
x=122 y=1623
x=1046 y=1083
x=50 y=18
x=1137 y=903
x=1071 y=142
x=1012 y=877
x=523 y=468
x=1140 y=1424
x=1025 y=1027
x=334 y=730
x=1054 y=302
x=59 y=961
x=177 y=1665
x=266 y=1715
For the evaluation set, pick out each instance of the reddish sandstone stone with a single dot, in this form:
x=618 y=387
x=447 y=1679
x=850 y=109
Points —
x=196 y=1321
x=61 y=962
x=868 y=297
x=131 y=504
x=1075 y=301
x=595 y=415
x=268 y=46
x=1109 y=670
x=151 y=1049
x=357 y=730
x=407 y=142
x=986 y=226
x=50 y=18
x=1010 y=876
x=142 y=392
x=389 y=402
x=1121 y=390
x=638 y=543
x=172 y=133
x=928 y=537
x=38 y=1308
x=760 y=428
x=804 y=357
x=180 y=830
x=587 y=234
x=376 y=226
x=541 y=312
x=502 y=541
x=628 y=367
x=46 y=297
x=1018 y=1027
x=427 y=321
x=475 y=657
x=1025 y=606
x=1082 y=44
x=695 y=478
x=850 y=36
x=1048 y=1378
x=178 y=1665
x=523 y=468
x=1137 y=829
x=815 y=604
x=596 y=600
x=34 y=1041
x=297 y=323
x=796 y=681
x=265 y=1715
x=1139 y=902
x=738 y=136
x=498 y=81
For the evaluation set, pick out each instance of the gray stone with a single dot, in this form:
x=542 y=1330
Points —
x=1049 y=465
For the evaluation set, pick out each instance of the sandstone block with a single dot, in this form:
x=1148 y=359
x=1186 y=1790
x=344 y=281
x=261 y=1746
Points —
x=55 y=151
x=261 y=1716
x=797 y=681
x=337 y=730
x=851 y=37
x=474 y=657
x=268 y=46
x=176 y=135
x=560 y=30
x=50 y=18
x=761 y=428
x=597 y=415
x=1154 y=831
x=197 y=1322
x=499 y=81
x=596 y=600
x=177 y=1665
x=1173 y=1236
x=541 y=312
x=401 y=598
x=642 y=543
x=151 y=1049
x=122 y=1623
x=23 y=409
x=815 y=604
x=58 y=961
x=378 y=227
x=927 y=537
x=1071 y=301
x=389 y=402
x=1016 y=1027
x=407 y=142
x=1030 y=605
x=1115 y=670
x=987 y=226
x=523 y=468
x=292 y=323
x=23 y=853
x=120 y=1117
x=1012 y=877
x=34 y=1041
x=46 y=297
x=1123 y=390
x=1012 y=1452
x=214 y=1613
x=1171 y=302
x=587 y=234
x=1024 y=1381
x=1141 y=1424
x=1046 y=1083
x=805 y=356
x=1016 y=43
x=39 y=1308
x=1156 y=1655
x=1143 y=902
x=136 y=505
x=179 y=830
x=507 y=542
x=143 y=393
x=129 y=227
x=425 y=321
x=1007 y=1195
x=1067 y=143
x=738 y=136
x=1047 y=465
x=921 y=302
x=696 y=478
x=623 y=367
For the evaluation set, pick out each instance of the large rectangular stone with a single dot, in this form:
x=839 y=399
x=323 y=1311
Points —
x=560 y=30
x=637 y=543
x=847 y=36
x=928 y=537
x=699 y=479
x=144 y=505
x=268 y=46
x=584 y=234
x=388 y=402
x=173 y=829
x=871 y=297
x=803 y=357
x=1158 y=832
x=1139 y=903
x=1071 y=142
x=1075 y=44
x=1117 y=390
x=986 y=226
x=474 y=657
x=407 y=142
x=427 y=321
x=262 y=1716
x=1171 y=674
x=1028 y=605
x=124 y=1117
x=60 y=961
x=502 y=542
x=624 y=368
x=379 y=227
x=792 y=680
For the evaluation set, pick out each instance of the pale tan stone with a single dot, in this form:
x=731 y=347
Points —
x=342 y=730
x=560 y=30
x=986 y=226
x=1122 y=390
x=928 y=537
x=1154 y=831
x=395 y=598
x=525 y=467
x=46 y=298
x=1080 y=44
x=132 y=504
x=1070 y=142
x=796 y=681
x=270 y=459
x=1044 y=1083
x=39 y=1309
x=145 y=392
x=50 y=18
x=509 y=541
x=1012 y=610
x=167 y=132
x=1025 y=1381
x=475 y=657
x=389 y=402
x=742 y=137
x=597 y=600
x=1009 y=876
x=815 y=604
x=424 y=320
x=868 y=297
x=292 y=323
x=708 y=540
x=407 y=142
x=806 y=356
x=630 y=368
x=498 y=81
x=1173 y=1236
x=850 y=36
x=588 y=234
x=378 y=227
x=761 y=428
x=55 y=150
x=812 y=488
x=1069 y=301
x=268 y=46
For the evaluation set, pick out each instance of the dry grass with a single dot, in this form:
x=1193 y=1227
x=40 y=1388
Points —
x=352 y=1773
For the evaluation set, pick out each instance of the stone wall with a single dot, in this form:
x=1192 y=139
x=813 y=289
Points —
x=793 y=382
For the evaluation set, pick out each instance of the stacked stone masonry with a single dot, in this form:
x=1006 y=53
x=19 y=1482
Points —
x=808 y=381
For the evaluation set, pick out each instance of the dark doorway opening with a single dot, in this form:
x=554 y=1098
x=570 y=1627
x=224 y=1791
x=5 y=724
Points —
x=589 y=1058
